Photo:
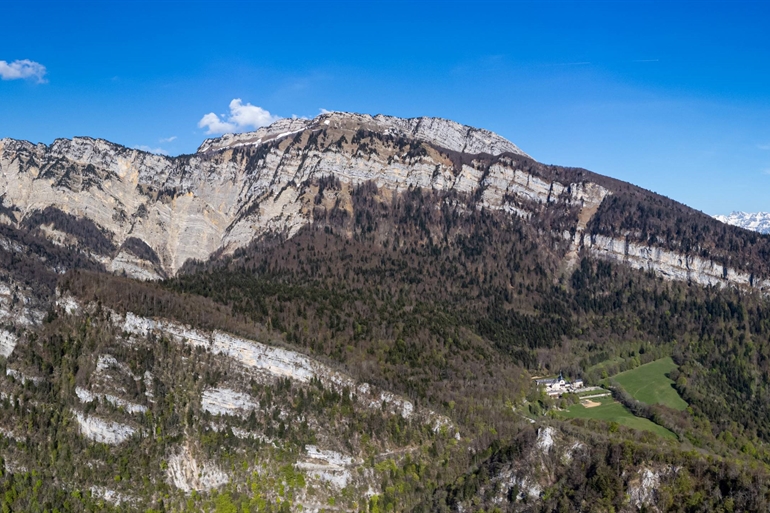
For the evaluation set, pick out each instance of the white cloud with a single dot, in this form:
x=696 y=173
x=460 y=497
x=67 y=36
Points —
x=763 y=146
x=242 y=117
x=22 y=69
x=157 y=151
x=167 y=139
x=324 y=111
x=214 y=125
x=249 y=115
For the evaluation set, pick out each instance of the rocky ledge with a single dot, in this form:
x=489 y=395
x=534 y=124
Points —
x=441 y=132
x=146 y=215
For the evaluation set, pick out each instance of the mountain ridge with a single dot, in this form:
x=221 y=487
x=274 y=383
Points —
x=755 y=221
x=442 y=132
x=349 y=317
x=241 y=187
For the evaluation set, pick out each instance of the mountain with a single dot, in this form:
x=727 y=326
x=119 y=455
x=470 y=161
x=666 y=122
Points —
x=139 y=212
x=346 y=313
x=233 y=190
x=757 y=221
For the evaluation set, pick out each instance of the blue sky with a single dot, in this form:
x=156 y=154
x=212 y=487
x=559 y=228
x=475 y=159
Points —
x=674 y=97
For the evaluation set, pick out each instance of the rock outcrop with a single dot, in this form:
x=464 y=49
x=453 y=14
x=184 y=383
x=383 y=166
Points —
x=237 y=187
x=146 y=215
x=670 y=264
x=233 y=190
x=103 y=431
x=441 y=132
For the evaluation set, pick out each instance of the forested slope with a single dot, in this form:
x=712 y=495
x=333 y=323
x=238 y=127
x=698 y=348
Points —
x=446 y=307
x=361 y=331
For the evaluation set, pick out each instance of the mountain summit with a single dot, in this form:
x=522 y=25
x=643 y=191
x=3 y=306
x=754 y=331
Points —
x=150 y=214
x=756 y=221
x=439 y=132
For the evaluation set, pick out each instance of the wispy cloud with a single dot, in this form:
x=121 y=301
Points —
x=763 y=146
x=167 y=139
x=241 y=117
x=157 y=151
x=22 y=69
x=324 y=111
x=646 y=60
x=766 y=171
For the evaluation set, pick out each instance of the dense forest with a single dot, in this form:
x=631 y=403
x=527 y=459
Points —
x=456 y=311
x=417 y=298
x=427 y=295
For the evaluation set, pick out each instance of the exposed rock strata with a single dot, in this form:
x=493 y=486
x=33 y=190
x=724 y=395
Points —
x=241 y=187
x=8 y=342
x=224 y=401
x=103 y=431
x=188 y=474
x=268 y=360
x=442 y=132
x=329 y=466
x=671 y=265
x=86 y=396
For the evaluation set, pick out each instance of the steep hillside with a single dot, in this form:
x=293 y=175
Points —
x=755 y=221
x=135 y=413
x=346 y=314
x=567 y=469
x=144 y=210
x=448 y=305
x=417 y=297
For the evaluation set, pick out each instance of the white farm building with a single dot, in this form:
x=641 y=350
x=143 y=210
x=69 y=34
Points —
x=559 y=386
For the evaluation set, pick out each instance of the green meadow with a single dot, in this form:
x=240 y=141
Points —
x=612 y=411
x=649 y=384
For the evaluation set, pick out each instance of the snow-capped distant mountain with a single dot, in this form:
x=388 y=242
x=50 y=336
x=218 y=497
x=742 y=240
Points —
x=757 y=221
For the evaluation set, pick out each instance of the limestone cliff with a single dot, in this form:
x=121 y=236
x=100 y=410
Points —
x=237 y=187
x=153 y=213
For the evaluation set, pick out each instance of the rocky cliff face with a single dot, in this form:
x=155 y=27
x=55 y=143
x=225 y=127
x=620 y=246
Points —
x=671 y=264
x=237 y=187
x=154 y=213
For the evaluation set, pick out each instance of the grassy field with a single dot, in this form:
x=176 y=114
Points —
x=649 y=384
x=612 y=411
